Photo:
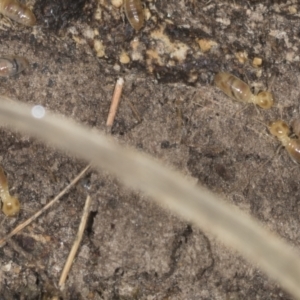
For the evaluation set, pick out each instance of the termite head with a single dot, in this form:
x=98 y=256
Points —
x=264 y=100
x=11 y=208
x=279 y=129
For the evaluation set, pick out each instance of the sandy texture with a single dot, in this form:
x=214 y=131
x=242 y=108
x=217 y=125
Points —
x=132 y=249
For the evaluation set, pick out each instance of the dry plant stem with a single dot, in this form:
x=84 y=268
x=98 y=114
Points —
x=114 y=103
x=134 y=111
x=76 y=244
x=47 y=206
x=168 y=188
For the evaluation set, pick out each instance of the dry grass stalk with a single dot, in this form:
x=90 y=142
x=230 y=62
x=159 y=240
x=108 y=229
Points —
x=114 y=103
x=76 y=244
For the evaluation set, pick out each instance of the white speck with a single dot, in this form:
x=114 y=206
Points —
x=7 y=267
x=38 y=111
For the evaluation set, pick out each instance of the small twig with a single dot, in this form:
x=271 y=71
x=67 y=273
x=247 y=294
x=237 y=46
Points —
x=114 y=103
x=134 y=111
x=37 y=214
x=76 y=244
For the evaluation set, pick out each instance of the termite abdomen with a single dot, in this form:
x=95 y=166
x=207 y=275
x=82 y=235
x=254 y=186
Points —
x=135 y=13
x=239 y=90
x=18 y=12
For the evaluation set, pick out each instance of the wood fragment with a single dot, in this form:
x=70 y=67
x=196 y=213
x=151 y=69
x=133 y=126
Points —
x=76 y=244
x=114 y=103
x=47 y=206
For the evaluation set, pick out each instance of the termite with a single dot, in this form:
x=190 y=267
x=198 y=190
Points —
x=18 y=12
x=12 y=65
x=282 y=131
x=10 y=205
x=135 y=13
x=239 y=90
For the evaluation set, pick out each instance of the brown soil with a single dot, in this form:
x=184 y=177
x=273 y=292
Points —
x=133 y=249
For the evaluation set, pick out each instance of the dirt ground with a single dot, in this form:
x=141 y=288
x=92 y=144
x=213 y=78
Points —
x=133 y=249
